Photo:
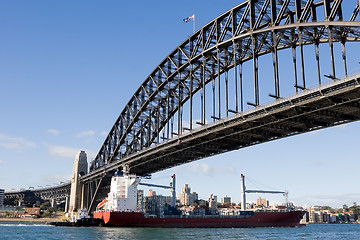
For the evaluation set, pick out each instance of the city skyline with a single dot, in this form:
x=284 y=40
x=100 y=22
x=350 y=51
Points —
x=69 y=68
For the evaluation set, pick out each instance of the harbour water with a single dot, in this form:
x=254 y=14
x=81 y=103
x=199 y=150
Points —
x=32 y=231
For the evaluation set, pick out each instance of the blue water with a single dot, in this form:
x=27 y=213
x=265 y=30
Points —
x=37 y=231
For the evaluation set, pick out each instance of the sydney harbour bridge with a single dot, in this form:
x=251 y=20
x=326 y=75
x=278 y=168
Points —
x=263 y=70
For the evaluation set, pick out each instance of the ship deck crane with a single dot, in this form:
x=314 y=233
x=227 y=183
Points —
x=244 y=191
x=172 y=187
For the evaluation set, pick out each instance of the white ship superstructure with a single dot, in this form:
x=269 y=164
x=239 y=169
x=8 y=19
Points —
x=123 y=193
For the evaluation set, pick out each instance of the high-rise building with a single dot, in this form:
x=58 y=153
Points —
x=226 y=200
x=2 y=193
x=151 y=193
x=262 y=202
x=186 y=189
x=212 y=201
x=186 y=197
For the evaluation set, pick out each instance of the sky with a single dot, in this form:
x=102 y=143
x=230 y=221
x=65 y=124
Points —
x=68 y=68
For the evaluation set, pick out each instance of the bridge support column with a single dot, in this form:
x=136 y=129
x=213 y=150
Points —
x=84 y=196
x=53 y=203
x=66 y=204
x=80 y=168
x=20 y=201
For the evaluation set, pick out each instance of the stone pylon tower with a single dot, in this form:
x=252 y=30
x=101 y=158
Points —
x=80 y=168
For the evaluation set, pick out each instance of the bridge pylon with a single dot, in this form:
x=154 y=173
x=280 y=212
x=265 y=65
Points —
x=80 y=168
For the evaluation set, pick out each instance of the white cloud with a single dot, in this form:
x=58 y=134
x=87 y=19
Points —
x=1 y=162
x=201 y=167
x=63 y=152
x=57 y=178
x=335 y=201
x=103 y=133
x=209 y=170
x=86 y=133
x=53 y=131
x=15 y=142
x=68 y=152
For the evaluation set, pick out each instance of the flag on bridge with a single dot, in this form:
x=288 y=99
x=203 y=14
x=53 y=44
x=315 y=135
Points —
x=189 y=18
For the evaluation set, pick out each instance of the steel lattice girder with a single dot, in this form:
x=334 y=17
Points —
x=249 y=30
x=330 y=105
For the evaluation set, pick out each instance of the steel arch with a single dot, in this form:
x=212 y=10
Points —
x=249 y=30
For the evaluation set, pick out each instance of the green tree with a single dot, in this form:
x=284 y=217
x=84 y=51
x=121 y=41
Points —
x=48 y=212
x=355 y=209
x=326 y=208
x=45 y=205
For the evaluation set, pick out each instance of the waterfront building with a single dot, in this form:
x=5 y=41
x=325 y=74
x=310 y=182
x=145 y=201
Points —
x=154 y=205
x=333 y=218
x=33 y=211
x=232 y=211
x=315 y=215
x=193 y=211
x=2 y=194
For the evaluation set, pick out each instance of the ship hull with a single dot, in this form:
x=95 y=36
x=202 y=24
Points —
x=259 y=219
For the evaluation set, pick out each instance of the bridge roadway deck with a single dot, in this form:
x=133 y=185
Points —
x=329 y=105
x=59 y=193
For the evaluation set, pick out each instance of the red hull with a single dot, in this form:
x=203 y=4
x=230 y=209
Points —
x=259 y=219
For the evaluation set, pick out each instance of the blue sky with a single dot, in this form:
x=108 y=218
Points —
x=67 y=69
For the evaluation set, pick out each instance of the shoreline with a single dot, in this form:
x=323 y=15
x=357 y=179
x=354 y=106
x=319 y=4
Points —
x=48 y=220
x=31 y=220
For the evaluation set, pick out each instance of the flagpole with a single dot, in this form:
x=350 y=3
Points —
x=194 y=24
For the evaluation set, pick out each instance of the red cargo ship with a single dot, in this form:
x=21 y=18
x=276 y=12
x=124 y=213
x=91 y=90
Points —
x=256 y=219
x=120 y=209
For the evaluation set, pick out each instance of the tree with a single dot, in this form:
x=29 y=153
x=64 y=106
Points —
x=355 y=209
x=326 y=208
x=48 y=212
x=45 y=205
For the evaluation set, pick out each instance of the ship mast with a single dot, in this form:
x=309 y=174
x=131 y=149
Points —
x=243 y=195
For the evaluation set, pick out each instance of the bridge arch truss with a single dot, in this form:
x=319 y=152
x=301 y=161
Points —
x=191 y=86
